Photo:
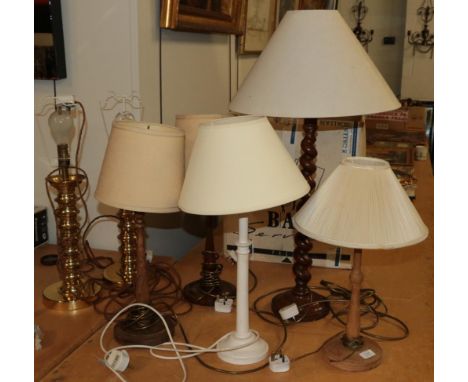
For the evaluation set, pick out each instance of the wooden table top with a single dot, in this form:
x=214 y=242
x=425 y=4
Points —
x=403 y=278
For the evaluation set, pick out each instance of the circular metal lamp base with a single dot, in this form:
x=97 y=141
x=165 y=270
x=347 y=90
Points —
x=53 y=299
x=149 y=330
x=367 y=356
x=194 y=292
x=310 y=312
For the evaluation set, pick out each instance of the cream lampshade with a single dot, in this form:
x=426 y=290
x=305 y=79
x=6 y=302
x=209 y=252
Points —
x=143 y=168
x=361 y=205
x=142 y=171
x=209 y=287
x=189 y=123
x=239 y=165
x=312 y=67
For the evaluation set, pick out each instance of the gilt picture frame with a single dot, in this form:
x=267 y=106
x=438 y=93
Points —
x=259 y=20
x=206 y=16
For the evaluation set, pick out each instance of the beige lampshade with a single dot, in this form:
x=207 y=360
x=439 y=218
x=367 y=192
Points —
x=189 y=124
x=143 y=167
x=361 y=205
x=313 y=67
x=239 y=165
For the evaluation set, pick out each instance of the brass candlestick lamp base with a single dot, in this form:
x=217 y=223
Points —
x=53 y=298
x=72 y=292
x=124 y=273
x=141 y=325
x=360 y=355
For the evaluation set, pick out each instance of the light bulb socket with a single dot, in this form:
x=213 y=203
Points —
x=63 y=159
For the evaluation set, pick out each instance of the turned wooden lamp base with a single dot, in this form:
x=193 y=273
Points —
x=142 y=327
x=311 y=311
x=366 y=356
x=195 y=293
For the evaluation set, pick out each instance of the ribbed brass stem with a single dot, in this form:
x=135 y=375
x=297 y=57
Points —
x=68 y=234
x=128 y=240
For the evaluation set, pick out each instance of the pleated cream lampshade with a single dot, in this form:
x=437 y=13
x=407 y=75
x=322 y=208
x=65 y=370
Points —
x=239 y=165
x=361 y=205
x=143 y=167
x=314 y=67
x=189 y=124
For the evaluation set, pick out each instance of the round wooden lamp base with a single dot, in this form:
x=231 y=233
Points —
x=367 y=356
x=196 y=294
x=148 y=330
x=311 y=311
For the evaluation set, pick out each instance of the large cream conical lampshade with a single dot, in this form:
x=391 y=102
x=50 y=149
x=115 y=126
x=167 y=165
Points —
x=361 y=205
x=239 y=165
x=143 y=168
x=314 y=67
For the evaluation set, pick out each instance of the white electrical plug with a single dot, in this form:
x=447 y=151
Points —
x=231 y=256
x=223 y=305
x=118 y=360
x=149 y=255
x=279 y=363
x=289 y=311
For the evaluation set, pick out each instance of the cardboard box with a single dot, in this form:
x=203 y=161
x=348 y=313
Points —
x=400 y=154
x=415 y=138
x=410 y=118
x=271 y=230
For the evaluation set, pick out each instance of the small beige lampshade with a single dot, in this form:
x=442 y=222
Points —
x=313 y=67
x=361 y=205
x=143 y=167
x=189 y=123
x=239 y=165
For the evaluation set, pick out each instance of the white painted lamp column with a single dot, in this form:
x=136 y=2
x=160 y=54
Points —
x=252 y=171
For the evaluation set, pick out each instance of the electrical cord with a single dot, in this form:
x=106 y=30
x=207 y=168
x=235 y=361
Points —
x=239 y=372
x=371 y=304
x=176 y=347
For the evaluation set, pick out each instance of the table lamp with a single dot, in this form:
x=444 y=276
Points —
x=252 y=170
x=142 y=172
x=72 y=292
x=362 y=205
x=312 y=67
x=205 y=290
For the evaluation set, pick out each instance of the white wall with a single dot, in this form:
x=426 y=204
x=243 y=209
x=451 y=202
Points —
x=386 y=18
x=418 y=69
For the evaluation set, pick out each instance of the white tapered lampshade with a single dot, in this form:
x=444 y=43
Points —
x=314 y=67
x=189 y=124
x=361 y=205
x=143 y=168
x=239 y=165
